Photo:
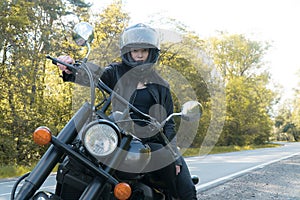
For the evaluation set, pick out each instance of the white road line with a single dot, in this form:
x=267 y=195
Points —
x=234 y=175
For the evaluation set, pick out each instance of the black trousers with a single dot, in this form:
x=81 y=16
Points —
x=180 y=186
x=184 y=184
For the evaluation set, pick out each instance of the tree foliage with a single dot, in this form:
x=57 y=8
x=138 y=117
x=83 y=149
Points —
x=29 y=32
x=248 y=97
x=108 y=26
x=287 y=122
x=189 y=80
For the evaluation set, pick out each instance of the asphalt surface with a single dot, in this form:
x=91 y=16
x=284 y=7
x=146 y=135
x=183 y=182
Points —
x=277 y=181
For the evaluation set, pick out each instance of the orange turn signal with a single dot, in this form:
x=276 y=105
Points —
x=122 y=191
x=42 y=135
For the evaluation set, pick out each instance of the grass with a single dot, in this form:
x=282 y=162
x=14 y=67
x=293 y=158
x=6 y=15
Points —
x=223 y=149
x=11 y=171
x=15 y=171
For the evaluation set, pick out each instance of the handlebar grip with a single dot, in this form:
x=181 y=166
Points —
x=70 y=67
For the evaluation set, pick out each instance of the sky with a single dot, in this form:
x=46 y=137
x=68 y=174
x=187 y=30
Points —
x=275 y=21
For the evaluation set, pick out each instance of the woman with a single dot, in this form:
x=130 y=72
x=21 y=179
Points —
x=136 y=80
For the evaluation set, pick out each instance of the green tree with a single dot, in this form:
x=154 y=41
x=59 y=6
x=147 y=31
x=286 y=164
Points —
x=33 y=94
x=286 y=127
x=182 y=51
x=248 y=98
x=292 y=124
x=109 y=24
x=29 y=31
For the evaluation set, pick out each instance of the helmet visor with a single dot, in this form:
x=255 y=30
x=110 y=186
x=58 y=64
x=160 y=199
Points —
x=139 y=37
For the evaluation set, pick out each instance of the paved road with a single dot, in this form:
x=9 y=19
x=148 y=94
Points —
x=212 y=169
x=217 y=168
x=7 y=184
x=277 y=181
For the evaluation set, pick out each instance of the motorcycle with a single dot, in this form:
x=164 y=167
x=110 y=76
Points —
x=90 y=166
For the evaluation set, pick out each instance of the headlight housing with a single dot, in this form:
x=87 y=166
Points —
x=101 y=138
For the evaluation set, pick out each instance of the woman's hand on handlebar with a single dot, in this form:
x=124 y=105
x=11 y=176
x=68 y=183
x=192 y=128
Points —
x=65 y=59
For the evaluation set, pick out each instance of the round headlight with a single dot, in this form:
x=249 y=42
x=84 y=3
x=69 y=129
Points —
x=100 y=139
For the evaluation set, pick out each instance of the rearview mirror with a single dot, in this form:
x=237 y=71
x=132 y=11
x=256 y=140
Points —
x=191 y=111
x=83 y=33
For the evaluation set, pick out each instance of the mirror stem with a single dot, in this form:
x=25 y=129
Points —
x=88 y=53
x=168 y=118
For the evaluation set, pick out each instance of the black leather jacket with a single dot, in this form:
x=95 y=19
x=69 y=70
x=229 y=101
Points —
x=117 y=76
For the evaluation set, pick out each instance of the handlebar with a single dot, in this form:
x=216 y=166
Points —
x=70 y=67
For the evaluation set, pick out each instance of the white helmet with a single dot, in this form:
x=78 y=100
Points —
x=139 y=36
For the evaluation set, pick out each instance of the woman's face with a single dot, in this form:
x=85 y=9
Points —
x=139 y=54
